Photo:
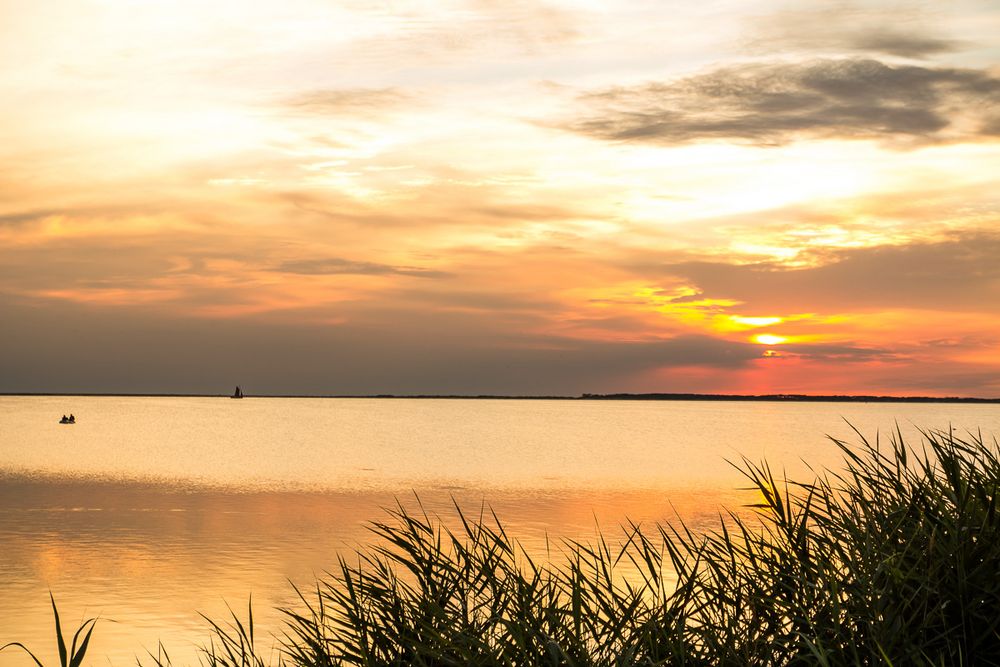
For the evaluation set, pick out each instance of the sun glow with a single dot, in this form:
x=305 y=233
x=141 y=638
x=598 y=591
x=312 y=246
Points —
x=769 y=339
x=755 y=321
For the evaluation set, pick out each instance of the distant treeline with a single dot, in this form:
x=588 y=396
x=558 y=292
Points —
x=806 y=398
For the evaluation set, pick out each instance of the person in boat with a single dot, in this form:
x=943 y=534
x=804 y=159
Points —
x=72 y=419
x=64 y=420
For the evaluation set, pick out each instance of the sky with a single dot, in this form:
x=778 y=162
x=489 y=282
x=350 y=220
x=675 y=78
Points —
x=500 y=197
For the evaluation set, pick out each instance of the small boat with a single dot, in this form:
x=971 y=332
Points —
x=238 y=393
x=67 y=420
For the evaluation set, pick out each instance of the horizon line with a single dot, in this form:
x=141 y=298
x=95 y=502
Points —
x=620 y=396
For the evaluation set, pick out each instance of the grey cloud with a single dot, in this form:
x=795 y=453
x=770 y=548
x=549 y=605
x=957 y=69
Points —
x=520 y=212
x=961 y=381
x=35 y=215
x=26 y=217
x=962 y=342
x=690 y=298
x=991 y=125
x=340 y=266
x=841 y=353
x=902 y=44
x=957 y=274
x=843 y=27
x=774 y=103
x=499 y=304
x=65 y=266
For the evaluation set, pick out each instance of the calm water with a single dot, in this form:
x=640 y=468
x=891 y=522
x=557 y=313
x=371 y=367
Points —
x=150 y=510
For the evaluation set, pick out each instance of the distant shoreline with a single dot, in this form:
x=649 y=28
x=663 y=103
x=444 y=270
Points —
x=780 y=398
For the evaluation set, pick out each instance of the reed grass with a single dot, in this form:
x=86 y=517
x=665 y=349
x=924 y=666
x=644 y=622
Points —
x=893 y=559
x=71 y=656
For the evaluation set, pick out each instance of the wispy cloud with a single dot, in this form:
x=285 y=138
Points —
x=896 y=42
x=334 y=101
x=844 y=27
x=340 y=266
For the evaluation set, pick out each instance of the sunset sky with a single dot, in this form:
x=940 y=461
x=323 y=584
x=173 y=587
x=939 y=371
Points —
x=500 y=196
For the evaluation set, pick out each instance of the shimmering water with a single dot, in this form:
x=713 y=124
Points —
x=150 y=510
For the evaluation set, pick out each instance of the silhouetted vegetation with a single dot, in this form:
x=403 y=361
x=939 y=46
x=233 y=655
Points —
x=788 y=398
x=892 y=560
x=71 y=656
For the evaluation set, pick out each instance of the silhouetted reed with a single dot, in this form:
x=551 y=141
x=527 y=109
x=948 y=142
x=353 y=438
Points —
x=71 y=656
x=892 y=560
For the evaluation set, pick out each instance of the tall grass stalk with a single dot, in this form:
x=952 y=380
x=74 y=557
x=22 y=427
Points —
x=68 y=657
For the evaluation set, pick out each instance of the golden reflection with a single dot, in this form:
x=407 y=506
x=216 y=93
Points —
x=153 y=557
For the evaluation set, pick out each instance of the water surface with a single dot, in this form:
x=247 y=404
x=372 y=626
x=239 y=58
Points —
x=150 y=510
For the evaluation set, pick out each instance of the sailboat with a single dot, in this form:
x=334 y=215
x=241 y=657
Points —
x=238 y=393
